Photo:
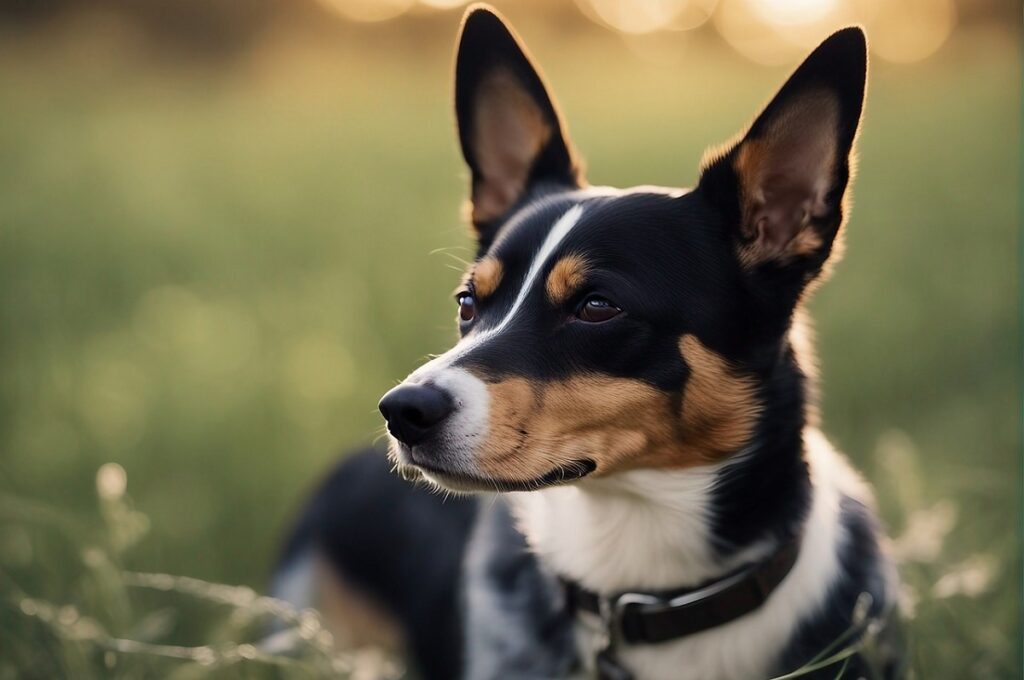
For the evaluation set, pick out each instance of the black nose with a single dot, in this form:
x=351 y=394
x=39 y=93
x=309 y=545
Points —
x=412 y=411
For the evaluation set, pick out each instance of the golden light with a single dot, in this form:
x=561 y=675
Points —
x=793 y=12
x=751 y=35
x=696 y=13
x=444 y=4
x=781 y=31
x=369 y=10
x=647 y=16
x=910 y=30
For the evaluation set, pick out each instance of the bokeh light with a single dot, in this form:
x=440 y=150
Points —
x=911 y=30
x=751 y=35
x=111 y=481
x=780 y=31
x=369 y=10
x=790 y=12
x=647 y=16
x=444 y=4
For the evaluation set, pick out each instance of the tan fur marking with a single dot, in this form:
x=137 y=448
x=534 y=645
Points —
x=720 y=408
x=805 y=243
x=566 y=278
x=619 y=423
x=537 y=427
x=487 y=275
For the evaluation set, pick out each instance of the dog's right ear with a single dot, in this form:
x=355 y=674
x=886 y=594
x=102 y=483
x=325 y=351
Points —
x=782 y=186
x=511 y=133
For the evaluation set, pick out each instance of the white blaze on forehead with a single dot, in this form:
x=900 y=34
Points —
x=556 y=236
x=467 y=429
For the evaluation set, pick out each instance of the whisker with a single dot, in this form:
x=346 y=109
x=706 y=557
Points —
x=446 y=251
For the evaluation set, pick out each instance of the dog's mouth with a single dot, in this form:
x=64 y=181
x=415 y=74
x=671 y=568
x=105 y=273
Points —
x=461 y=481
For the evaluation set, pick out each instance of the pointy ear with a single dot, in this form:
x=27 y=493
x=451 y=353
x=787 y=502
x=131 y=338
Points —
x=782 y=186
x=511 y=133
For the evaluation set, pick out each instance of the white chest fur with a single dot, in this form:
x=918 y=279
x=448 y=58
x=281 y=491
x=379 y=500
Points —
x=649 y=530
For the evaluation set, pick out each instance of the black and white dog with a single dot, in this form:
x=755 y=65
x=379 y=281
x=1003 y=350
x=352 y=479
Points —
x=635 y=379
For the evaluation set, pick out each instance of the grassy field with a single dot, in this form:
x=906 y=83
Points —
x=209 y=275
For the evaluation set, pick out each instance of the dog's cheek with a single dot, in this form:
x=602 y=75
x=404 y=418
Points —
x=616 y=422
x=619 y=423
x=720 y=407
x=535 y=427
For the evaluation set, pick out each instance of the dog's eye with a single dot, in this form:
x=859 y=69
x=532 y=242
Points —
x=467 y=306
x=597 y=309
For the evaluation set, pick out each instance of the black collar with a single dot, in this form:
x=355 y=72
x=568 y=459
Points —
x=652 y=617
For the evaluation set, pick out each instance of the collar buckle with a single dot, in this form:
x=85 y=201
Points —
x=620 y=605
x=609 y=619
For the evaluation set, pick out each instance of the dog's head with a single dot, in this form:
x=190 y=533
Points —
x=605 y=329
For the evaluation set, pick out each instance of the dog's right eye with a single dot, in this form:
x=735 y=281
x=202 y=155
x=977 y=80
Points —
x=467 y=306
x=597 y=309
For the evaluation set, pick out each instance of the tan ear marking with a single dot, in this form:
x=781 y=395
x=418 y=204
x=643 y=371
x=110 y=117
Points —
x=567 y=276
x=785 y=176
x=509 y=132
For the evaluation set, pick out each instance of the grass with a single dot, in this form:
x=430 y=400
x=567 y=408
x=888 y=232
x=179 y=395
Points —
x=209 y=275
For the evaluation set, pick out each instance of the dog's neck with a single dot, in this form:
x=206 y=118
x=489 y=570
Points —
x=660 y=529
x=639 y=530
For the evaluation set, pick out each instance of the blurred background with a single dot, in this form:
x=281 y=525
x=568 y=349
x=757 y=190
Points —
x=227 y=227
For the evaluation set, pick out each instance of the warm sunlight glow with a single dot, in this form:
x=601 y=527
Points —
x=443 y=4
x=750 y=35
x=368 y=10
x=771 y=32
x=911 y=30
x=646 y=16
x=789 y=12
x=779 y=31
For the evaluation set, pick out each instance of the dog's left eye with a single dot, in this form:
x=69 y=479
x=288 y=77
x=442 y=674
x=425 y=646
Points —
x=596 y=309
x=467 y=306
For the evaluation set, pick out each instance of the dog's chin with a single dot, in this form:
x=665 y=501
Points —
x=410 y=464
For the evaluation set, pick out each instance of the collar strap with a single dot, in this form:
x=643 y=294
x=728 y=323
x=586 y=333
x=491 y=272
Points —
x=652 y=617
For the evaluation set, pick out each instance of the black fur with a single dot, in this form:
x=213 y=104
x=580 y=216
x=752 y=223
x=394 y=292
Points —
x=399 y=544
x=863 y=573
x=768 y=493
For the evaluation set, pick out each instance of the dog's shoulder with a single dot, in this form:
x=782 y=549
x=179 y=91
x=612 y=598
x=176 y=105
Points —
x=859 y=615
x=517 y=625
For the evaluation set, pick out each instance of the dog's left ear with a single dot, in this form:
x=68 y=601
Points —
x=511 y=133
x=782 y=186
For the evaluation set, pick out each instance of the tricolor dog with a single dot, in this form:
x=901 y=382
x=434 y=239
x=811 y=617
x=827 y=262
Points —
x=634 y=388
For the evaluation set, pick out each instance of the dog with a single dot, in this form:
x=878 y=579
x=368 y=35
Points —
x=634 y=388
